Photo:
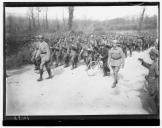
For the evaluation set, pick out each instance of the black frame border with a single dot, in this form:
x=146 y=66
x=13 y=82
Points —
x=75 y=120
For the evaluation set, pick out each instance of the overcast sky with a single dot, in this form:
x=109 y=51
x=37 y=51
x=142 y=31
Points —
x=92 y=12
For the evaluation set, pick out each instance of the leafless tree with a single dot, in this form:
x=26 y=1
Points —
x=31 y=15
x=46 y=11
x=141 y=20
x=71 y=12
x=29 y=20
x=38 y=9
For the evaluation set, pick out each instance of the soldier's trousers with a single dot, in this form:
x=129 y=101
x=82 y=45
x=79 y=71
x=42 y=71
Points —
x=57 y=60
x=37 y=63
x=74 y=60
x=130 y=51
x=106 y=69
x=67 y=60
x=45 y=63
x=125 y=52
x=152 y=86
x=85 y=59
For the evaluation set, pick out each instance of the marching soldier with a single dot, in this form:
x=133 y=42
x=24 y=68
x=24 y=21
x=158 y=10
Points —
x=104 y=55
x=66 y=56
x=57 y=54
x=84 y=54
x=35 y=58
x=116 y=60
x=89 y=57
x=44 y=53
x=74 y=56
x=153 y=76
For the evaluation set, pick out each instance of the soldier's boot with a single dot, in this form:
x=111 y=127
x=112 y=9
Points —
x=41 y=74
x=115 y=81
x=72 y=65
x=75 y=65
x=56 y=65
x=105 y=73
x=66 y=63
x=108 y=71
x=114 y=84
x=49 y=73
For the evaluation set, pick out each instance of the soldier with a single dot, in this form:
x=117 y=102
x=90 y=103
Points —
x=130 y=45
x=57 y=54
x=66 y=56
x=116 y=60
x=156 y=44
x=74 y=56
x=124 y=47
x=104 y=58
x=153 y=76
x=84 y=54
x=35 y=58
x=44 y=52
x=89 y=57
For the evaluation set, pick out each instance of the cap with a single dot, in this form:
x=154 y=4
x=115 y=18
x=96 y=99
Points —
x=115 y=41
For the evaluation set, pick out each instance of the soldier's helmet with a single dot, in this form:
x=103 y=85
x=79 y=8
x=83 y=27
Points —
x=115 y=41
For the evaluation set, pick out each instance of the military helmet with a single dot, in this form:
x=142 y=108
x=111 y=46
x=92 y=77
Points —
x=115 y=41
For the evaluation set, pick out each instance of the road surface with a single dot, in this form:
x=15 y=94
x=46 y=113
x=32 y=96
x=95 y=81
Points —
x=73 y=92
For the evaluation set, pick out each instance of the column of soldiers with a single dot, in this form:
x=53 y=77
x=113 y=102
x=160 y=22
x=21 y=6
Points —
x=69 y=49
x=111 y=48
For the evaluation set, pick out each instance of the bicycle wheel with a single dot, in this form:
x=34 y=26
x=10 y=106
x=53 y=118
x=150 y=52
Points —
x=92 y=68
x=92 y=65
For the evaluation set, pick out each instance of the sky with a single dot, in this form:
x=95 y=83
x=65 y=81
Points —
x=93 y=12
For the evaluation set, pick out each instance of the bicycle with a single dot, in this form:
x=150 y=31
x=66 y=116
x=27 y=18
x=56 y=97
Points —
x=94 y=66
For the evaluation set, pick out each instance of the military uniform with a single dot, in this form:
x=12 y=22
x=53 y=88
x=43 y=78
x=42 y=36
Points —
x=57 y=54
x=45 y=55
x=84 y=54
x=104 y=54
x=74 y=56
x=153 y=78
x=66 y=56
x=116 y=60
x=89 y=57
x=35 y=59
x=116 y=55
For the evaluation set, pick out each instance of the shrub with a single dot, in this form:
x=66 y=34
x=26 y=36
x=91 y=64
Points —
x=22 y=57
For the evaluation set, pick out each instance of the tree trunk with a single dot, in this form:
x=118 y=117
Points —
x=71 y=12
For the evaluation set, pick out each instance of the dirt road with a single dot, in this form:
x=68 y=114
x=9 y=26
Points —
x=74 y=92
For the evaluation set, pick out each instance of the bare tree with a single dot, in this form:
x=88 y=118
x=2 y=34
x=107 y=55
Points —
x=29 y=21
x=31 y=15
x=63 y=20
x=71 y=12
x=46 y=11
x=57 y=24
x=38 y=9
x=141 y=20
